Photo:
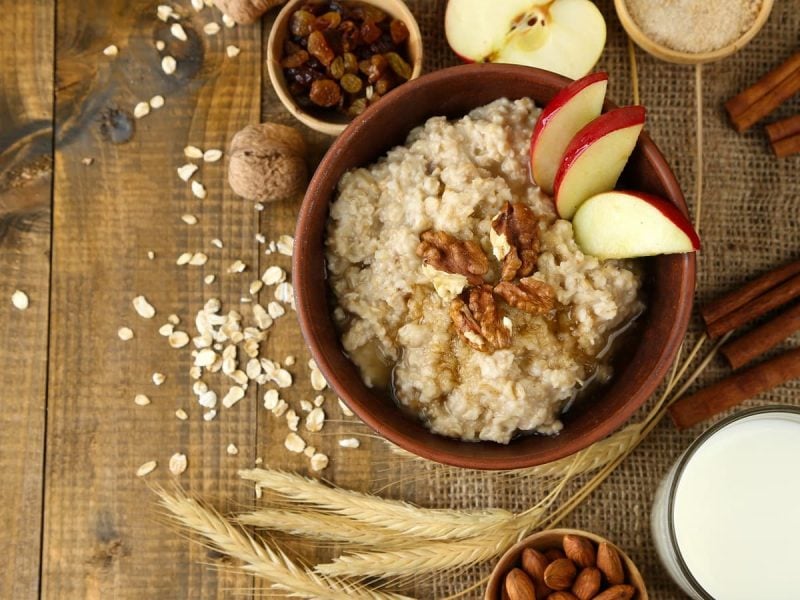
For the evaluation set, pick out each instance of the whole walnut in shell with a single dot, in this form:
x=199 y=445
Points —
x=267 y=162
x=245 y=12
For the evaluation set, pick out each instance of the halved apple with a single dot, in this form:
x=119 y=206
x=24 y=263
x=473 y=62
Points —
x=566 y=114
x=595 y=157
x=564 y=36
x=629 y=224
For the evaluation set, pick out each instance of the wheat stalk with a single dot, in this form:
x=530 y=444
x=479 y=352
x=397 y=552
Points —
x=394 y=515
x=258 y=557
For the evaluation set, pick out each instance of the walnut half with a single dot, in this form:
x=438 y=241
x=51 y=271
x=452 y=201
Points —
x=515 y=238
x=529 y=294
x=479 y=322
x=446 y=253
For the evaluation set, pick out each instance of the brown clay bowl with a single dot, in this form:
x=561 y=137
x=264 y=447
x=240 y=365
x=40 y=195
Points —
x=547 y=540
x=454 y=92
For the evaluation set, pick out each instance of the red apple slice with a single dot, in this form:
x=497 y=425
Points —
x=595 y=157
x=566 y=114
x=564 y=36
x=630 y=224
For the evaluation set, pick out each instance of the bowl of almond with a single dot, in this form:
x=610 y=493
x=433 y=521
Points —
x=565 y=564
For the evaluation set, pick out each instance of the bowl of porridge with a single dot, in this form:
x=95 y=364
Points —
x=448 y=305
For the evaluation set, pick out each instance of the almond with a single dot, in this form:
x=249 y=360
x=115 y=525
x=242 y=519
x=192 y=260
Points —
x=534 y=563
x=554 y=554
x=579 y=550
x=560 y=574
x=518 y=586
x=587 y=583
x=561 y=596
x=617 y=592
x=609 y=562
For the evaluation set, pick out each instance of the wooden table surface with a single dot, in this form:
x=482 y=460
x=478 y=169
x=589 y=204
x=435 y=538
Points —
x=74 y=237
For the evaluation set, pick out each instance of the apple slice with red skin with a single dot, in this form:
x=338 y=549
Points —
x=563 y=36
x=622 y=224
x=595 y=157
x=567 y=113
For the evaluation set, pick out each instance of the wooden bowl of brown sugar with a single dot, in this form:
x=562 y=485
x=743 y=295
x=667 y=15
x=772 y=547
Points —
x=692 y=32
x=565 y=564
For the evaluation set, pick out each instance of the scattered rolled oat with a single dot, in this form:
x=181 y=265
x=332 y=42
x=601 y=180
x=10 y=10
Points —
x=318 y=381
x=211 y=28
x=271 y=398
x=178 y=32
x=283 y=378
x=232 y=449
x=143 y=308
x=260 y=238
x=199 y=190
x=319 y=400
x=280 y=408
x=146 y=468
x=237 y=267
x=189 y=219
x=273 y=275
x=173 y=319
x=235 y=393
x=228 y=20
x=178 y=339
x=319 y=462
x=294 y=443
x=208 y=399
x=255 y=286
x=177 y=463
x=181 y=414
x=186 y=171
x=292 y=420
x=209 y=279
x=169 y=64
x=151 y=255
x=164 y=12
x=125 y=333
x=111 y=50
x=310 y=451
x=289 y=360
x=205 y=358
x=157 y=101
x=159 y=378
x=141 y=400
x=306 y=406
x=345 y=409
x=285 y=245
x=87 y=161
x=184 y=258
x=315 y=420
x=141 y=109
x=198 y=259
x=166 y=329
x=349 y=443
x=193 y=152
x=284 y=292
x=232 y=51
x=216 y=242
x=212 y=155
x=209 y=415
x=259 y=206
x=275 y=310
x=160 y=45
x=197 y=5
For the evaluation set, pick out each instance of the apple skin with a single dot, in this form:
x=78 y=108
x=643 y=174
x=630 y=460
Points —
x=563 y=36
x=624 y=124
x=544 y=167
x=630 y=224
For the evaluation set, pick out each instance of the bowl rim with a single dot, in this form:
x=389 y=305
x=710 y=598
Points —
x=398 y=10
x=408 y=442
x=510 y=556
x=689 y=58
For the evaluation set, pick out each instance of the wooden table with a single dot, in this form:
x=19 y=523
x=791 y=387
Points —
x=86 y=191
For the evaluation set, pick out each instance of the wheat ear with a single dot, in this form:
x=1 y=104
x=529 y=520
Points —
x=259 y=558
x=394 y=515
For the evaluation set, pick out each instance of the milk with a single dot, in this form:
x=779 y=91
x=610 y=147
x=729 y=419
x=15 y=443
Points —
x=726 y=520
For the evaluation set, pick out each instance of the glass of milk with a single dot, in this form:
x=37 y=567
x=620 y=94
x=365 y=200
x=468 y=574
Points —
x=726 y=518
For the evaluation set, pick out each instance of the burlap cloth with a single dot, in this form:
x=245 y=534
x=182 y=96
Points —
x=750 y=223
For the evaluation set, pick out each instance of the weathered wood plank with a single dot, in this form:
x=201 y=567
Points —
x=102 y=537
x=26 y=126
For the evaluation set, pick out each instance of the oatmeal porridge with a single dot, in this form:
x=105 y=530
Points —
x=458 y=289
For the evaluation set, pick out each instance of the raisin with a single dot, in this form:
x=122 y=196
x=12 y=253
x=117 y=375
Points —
x=350 y=63
x=301 y=23
x=337 y=68
x=295 y=60
x=367 y=12
x=378 y=65
x=357 y=107
x=399 y=31
x=351 y=36
x=383 y=85
x=318 y=47
x=370 y=32
x=330 y=20
x=383 y=45
x=351 y=83
x=325 y=92
x=399 y=66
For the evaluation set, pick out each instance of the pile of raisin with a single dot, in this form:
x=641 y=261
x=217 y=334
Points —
x=344 y=55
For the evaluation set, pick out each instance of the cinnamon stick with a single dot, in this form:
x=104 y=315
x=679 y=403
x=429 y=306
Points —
x=751 y=290
x=786 y=146
x=756 y=342
x=739 y=103
x=767 y=103
x=737 y=388
x=777 y=296
x=783 y=128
